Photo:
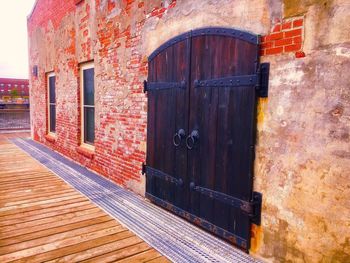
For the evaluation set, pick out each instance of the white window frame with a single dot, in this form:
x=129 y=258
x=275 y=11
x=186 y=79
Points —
x=84 y=66
x=48 y=76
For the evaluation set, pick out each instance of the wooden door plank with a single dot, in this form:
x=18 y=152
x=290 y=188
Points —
x=167 y=113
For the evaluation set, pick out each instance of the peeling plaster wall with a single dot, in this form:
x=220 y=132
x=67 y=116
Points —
x=303 y=150
x=302 y=164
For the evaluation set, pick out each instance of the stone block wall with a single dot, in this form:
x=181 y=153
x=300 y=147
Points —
x=302 y=161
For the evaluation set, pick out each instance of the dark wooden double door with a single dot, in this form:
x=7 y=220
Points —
x=201 y=129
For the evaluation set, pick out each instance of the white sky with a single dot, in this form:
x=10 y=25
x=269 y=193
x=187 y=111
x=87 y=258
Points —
x=13 y=38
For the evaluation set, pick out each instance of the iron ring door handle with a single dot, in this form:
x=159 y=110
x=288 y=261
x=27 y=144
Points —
x=177 y=138
x=192 y=139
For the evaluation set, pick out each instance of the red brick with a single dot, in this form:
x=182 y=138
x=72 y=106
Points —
x=299 y=54
x=297 y=40
x=298 y=23
x=283 y=42
x=274 y=36
x=277 y=28
x=287 y=25
x=267 y=45
x=293 y=33
x=294 y=47
x=273 y=51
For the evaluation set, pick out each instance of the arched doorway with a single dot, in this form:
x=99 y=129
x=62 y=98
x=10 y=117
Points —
x=202 y=93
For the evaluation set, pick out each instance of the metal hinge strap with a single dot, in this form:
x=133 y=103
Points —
x=249 y=208
x=152 y=172
x=262 y=86
x=233 y=81
x=145 y=86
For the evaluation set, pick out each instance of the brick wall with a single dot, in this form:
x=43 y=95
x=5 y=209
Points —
x=286 y=36
x=109 y=32
x=307 y=99
x=8 y=84
x=73 y=37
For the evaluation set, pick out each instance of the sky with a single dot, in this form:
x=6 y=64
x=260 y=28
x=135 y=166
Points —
x=13 y=38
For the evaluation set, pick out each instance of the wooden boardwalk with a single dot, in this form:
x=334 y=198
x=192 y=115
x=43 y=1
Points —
x=44 y=219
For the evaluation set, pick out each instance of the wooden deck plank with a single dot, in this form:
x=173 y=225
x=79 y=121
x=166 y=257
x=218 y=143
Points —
x=141 y=257
x=42 y=218
x=25 y=217
x=41 y=206
x=34 y=198
x=64 y=251
x=45 y=212
x=159 y=259
x=94 y=212
x=100 y=250
x=12 y=197
x=35 y=189
x=70 y=233
x=51 y=225
x=123 y=253
x=51 y=231
x=43 y=202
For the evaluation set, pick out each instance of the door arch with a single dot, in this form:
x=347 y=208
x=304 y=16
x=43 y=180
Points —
x=202 y=93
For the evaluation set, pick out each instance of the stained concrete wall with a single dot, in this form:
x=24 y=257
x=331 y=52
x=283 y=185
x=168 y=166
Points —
x=303 y=151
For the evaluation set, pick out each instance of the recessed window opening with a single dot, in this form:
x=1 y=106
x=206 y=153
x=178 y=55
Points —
x=51 y=89
x=87 y=87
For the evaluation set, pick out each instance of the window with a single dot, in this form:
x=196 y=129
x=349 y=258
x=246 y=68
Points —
x=87 y=76
x=51 y=95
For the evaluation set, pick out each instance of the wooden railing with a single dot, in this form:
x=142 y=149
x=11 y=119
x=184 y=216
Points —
x=14 y=119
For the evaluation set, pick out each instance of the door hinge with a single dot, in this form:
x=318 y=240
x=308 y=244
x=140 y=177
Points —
x=152 y=173
x=263 y=80
x=250 y=208
x=143 y=170
x=145 y=86
x=257 y=204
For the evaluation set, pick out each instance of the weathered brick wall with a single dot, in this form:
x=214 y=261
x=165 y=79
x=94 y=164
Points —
x=286 y=36
x=303 y=127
